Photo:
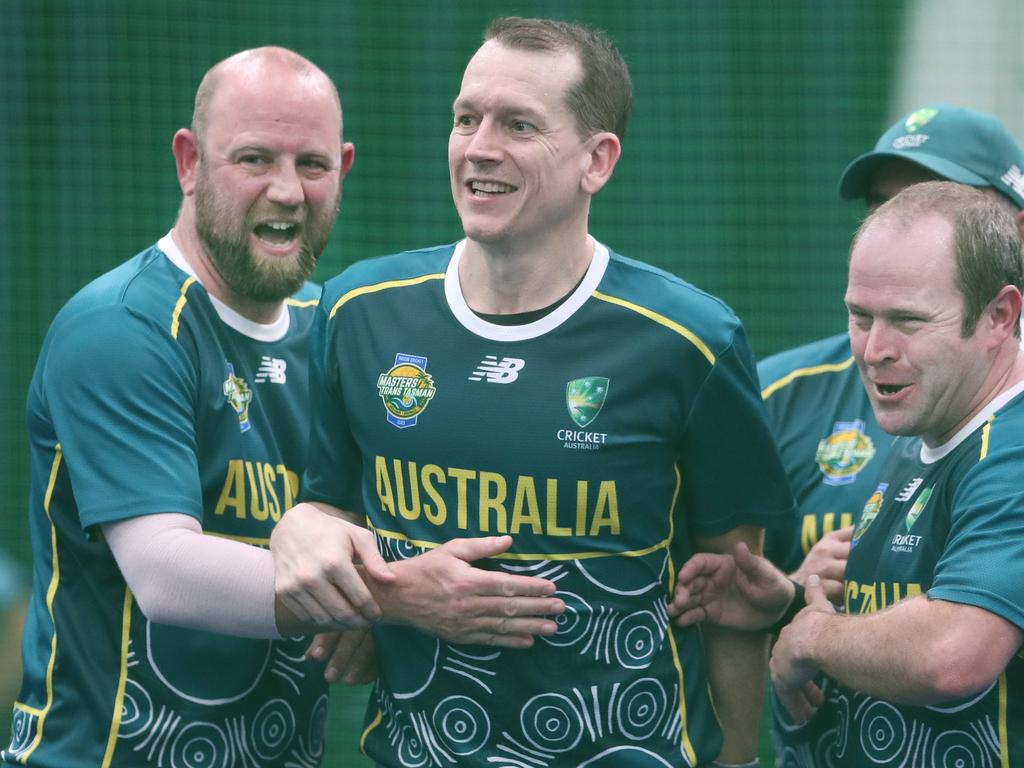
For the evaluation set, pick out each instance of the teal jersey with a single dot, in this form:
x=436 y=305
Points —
x=947 y=523
x=603 y=437
x=145 y=401
x=832 y=449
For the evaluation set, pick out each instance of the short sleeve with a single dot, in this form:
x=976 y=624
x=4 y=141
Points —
x=732 y=473
x=982 y=563
x=121 y=394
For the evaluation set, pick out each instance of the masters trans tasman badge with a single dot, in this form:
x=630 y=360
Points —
x=843 y=454
x=238 y=395
x=406 y=390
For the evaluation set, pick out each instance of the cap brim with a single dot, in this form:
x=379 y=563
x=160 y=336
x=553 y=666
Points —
x=853 y=184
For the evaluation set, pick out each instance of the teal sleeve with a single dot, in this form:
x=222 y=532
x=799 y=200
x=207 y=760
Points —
x=121 y=394
x=983 y=560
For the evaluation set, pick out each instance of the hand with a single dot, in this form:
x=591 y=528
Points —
x=349 y=655
x=741 y=591
x=440 y=593
x=791 y=665
x=827 y=559
x=315 y=574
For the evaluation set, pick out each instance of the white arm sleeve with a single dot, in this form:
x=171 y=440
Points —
x=181 y=576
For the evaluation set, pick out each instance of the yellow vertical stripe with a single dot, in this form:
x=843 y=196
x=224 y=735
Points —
x=366 y=732
x=691 y=755
x=115 y=721
x=984 y=437
x=1004 y=740
x=179 y=306
x=51 y=593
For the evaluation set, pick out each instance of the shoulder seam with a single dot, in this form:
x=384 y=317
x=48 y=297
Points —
x=799 y=373
x=682 y=330
x=383 y=286
x=179 y=305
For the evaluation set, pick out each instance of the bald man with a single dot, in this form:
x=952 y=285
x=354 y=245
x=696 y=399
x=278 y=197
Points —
x=168 y=420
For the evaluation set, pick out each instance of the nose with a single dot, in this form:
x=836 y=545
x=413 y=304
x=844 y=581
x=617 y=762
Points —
x=484 y=146
x=285 y=187
x=877 y=344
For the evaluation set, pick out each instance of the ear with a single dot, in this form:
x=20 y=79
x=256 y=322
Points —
x=348 y=156
x=185 y=147
x=605 y=149
x=1003 y=313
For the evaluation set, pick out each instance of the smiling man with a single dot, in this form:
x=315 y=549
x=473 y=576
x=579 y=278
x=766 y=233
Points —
x=529 y=381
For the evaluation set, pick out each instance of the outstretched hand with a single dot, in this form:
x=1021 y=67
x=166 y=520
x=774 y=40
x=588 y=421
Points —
x=741 y=591
x=827 y=559
x=791 y=666
x=441 y=593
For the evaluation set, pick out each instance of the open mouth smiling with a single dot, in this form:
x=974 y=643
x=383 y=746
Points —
x=487 y=188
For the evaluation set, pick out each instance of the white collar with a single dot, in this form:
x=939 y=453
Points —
x=931 y=455
x=476 y=324
x=274 y=331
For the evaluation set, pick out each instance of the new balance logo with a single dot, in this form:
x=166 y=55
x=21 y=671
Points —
x=1015 y=179
x=909 y=488
x=271 y=369
x=504 y=372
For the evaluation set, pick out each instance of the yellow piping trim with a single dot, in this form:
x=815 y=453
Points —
x=179 y=306
x=51 y=593
x=686 y=333
x=813 y=370
x=27 y=709
x=303 y=303
x=115 y=720
x=985 y=432
x=366 y=731
x=1004 y=741
x=383 y=287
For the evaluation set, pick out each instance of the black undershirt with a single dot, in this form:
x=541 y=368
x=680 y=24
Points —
x=531 y=316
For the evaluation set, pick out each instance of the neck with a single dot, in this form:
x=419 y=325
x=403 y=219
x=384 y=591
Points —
x=501 y=281
x=187 y=239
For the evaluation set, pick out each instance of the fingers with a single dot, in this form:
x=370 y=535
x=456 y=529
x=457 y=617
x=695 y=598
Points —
x=802 y=702
x=844 y=534
x=376 y=566
x=833 y=590
x=502 y=632
x=814 y=594
x=478 y=548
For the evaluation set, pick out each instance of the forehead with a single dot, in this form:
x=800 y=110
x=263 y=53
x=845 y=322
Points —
x=275 y=104
x=538 y=78
x=903 y=263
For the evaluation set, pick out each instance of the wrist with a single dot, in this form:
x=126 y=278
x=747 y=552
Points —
x=796 y=604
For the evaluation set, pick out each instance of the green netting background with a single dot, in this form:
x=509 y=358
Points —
x=745 y=113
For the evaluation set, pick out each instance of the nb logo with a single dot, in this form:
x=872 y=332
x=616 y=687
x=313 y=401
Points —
x=909 y=488
x=504 y=372
x=271 y=369
x=1015 y=179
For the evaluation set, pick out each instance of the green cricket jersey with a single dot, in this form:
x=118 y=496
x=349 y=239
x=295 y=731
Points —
x=145 y=400
x=603 y=437
x=947 y=522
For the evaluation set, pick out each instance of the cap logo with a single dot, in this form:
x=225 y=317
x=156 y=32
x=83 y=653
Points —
x=1014 y=179
x=919 y=118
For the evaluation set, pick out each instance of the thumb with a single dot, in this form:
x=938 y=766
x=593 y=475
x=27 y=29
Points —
x=375 y=565
x=478 y=548
x=814 y=592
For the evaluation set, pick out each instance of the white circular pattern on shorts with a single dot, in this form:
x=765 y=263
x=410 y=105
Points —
x=21 y=730
x=637 y=638
x=462 y=724
x=136 y=710
x=826 y=747
x=883 y=732
x=842 y=707
x=317 y=725
x=574 y=623
x=550 y=721
x=411 y=751
x=199 y=745
x=641 y=707
x=272 y=729
x=957 y=749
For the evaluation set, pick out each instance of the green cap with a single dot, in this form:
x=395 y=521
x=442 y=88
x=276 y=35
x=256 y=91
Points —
x=956 y=143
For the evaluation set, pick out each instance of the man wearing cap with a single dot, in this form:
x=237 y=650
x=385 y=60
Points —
x=830 y=442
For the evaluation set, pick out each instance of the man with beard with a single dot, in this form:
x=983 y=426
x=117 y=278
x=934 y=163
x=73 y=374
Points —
x=169 y=403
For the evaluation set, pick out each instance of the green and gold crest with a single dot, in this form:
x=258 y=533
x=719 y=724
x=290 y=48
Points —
x=918 y=508
x=919 y=118
x=585 y=397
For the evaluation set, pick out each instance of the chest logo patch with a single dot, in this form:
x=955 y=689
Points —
x=585 y=397
x=406 y=390
x=918 y=508
x=238 y=395
x=843 y=454
x=869 y=513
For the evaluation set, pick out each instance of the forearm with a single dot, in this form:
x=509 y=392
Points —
x=738 y=671
x=918 y=652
